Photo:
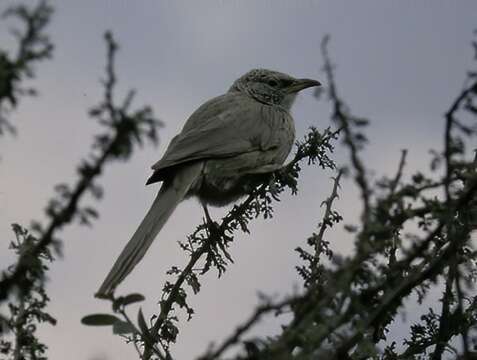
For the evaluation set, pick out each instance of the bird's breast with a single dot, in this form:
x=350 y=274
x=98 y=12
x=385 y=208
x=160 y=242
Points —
x=224 y=180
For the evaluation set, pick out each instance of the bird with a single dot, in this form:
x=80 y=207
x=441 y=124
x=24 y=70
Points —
x=223 y=148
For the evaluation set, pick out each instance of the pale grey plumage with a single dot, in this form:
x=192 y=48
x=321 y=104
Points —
x=223 y=147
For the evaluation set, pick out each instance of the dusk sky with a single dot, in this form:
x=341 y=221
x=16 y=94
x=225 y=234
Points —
x=399 y=63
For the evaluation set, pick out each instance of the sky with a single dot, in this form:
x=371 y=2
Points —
x=398 y=63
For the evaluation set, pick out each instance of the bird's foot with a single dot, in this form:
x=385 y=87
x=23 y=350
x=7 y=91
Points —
x=273 y=188
x=212 y=225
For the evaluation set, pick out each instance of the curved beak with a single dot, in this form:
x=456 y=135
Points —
x=300 y=84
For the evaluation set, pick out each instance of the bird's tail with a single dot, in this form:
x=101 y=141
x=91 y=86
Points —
x=170 y=195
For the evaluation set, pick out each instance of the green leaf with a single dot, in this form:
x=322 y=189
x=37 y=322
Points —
x=126 y=300
x=123 y=327
x=142 y=323
x=99 y=320
x=147 y=336
x=133 y=298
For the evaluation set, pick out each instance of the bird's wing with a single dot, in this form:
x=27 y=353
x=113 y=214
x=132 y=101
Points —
x=225 y=126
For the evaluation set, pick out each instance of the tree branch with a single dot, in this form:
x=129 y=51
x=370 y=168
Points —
x=123 y=133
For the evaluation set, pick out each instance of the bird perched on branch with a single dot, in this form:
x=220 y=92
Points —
x=223 y=146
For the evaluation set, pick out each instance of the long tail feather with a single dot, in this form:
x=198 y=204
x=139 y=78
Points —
x=170 y=195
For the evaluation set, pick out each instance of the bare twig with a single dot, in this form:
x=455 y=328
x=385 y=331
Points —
x=118 y=145
x=397 y=177
x=242 y=329
x=448 y=146
x=442 y=338
x=216 y=233
x=328 y=208
x=33 y=46
x=460 y=310
x=344 y=120
x=171 y=298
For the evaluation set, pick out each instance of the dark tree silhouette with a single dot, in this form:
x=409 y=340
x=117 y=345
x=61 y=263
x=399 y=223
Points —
x=123 y=131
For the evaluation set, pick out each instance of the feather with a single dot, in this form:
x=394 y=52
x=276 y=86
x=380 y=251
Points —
x=170 y=195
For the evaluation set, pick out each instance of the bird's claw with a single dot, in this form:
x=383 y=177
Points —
x=272 y=186
x=212 y=225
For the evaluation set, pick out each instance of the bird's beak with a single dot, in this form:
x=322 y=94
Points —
x=300 y=84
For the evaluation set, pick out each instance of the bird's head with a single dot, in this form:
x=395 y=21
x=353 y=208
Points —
x=272 y=87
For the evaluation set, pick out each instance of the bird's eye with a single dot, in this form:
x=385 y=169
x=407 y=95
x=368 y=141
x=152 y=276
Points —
x=272 y=83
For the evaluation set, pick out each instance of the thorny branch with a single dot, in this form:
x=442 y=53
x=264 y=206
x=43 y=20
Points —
x=247 y=325
x=346 y=307
x=353 y=140
x=33 y=46
x=351 y=307
x=326 y=223
x=314 y=148
x=450 y=145
x=442 y=339
x=393 y=297
x=125 y=130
